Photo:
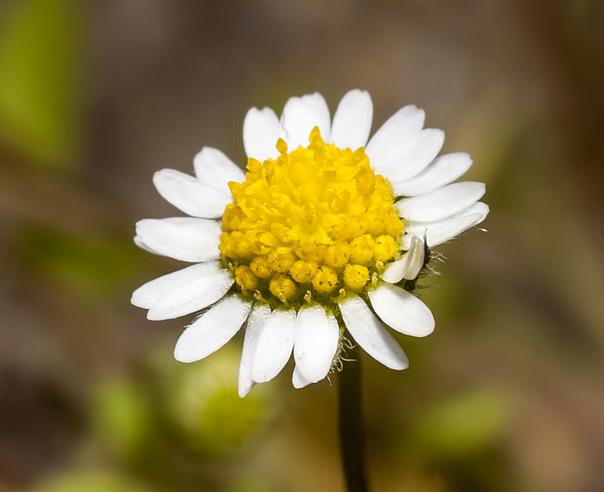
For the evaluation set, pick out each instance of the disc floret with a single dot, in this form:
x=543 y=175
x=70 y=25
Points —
x=314 y=223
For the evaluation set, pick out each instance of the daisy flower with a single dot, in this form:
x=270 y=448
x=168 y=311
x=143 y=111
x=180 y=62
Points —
x=322 y=239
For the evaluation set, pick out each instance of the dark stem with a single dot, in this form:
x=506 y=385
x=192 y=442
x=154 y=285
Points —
x=351 y=427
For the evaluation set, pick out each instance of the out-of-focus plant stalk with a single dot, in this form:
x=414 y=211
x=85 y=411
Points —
x=351 y=428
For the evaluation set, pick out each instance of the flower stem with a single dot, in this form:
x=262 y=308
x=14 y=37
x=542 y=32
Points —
x=351 y=427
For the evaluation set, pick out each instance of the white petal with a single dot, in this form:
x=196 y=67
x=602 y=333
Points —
x=261 y=130
x=371 y=334
x=440 y=231
x=415 y=154
x=352 y=121
x=396 y=271
x=317 y=336
x=440 y=203
x=253 y=327
x=301 y=115
x=141 y=244
x=190 y=195
x=442 y=171
x=401 y=310
x=212 y=330
x=192 y=296
x=298 y=381
x=181 y=238
x=385 y=145
x=151 y=292
x=275 y=344
x=417 y=255
x=214 y=169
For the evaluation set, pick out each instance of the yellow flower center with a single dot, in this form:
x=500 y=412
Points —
x=314 y=223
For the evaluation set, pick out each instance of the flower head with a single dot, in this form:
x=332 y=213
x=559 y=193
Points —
x=323 y=231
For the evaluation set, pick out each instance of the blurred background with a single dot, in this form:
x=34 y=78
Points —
x=96 y=96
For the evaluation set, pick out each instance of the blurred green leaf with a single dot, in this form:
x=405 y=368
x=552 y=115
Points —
x=203 y=404
x=41 y=54
x=123 y=417
x=95 y=267
x=462 y=426
x=91 y=482
x=247 y=485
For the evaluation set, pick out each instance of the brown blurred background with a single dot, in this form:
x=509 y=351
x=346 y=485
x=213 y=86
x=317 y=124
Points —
x=96 y=96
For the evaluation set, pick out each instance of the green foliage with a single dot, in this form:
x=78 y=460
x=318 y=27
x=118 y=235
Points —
x=92 y=482
x=462 y=426
x=249 y=486
x=204 y=406
x=122 y=416
x=95 y=267
x=41 y=54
